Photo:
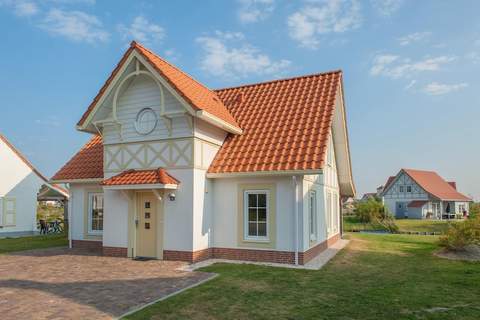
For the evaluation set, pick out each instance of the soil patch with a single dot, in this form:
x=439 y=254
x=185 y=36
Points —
x=471 y=253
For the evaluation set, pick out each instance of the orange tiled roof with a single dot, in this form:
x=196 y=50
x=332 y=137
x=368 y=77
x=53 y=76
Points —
x=22 y=157
x=135 y=177
x=199 y=96
x=432 y=183
x=285 y=124
x=417 y=203
x=86 y=164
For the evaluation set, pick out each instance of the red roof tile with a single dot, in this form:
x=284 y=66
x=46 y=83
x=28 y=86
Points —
x=195 y=93
x=86 y=164
x=22 y=157
x=432 y=183
x=135 y=177
x=416 y=203
x=285 y=124
x=389 y=180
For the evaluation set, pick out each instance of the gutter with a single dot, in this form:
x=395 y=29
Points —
x=70 y=201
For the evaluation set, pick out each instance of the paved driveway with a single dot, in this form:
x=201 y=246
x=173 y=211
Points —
x=60 y=283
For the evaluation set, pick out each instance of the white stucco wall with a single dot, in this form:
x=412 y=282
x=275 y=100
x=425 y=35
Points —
x=225 y=210
x=19 y=182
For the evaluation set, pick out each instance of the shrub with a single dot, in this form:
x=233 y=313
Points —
x=474 y=210
x=374 y=212
x=462 y=234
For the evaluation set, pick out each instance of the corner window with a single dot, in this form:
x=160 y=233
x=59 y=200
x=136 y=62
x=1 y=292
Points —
x=95 y=213
x=256 y=209
x=409 y=189
x=313 y=215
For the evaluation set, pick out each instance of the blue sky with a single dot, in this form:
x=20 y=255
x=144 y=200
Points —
x=410 y=69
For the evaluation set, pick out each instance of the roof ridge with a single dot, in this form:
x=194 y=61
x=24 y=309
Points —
x=280 y=80
x=135 y=44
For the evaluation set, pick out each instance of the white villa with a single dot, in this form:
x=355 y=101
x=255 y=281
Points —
x=177 y=171
x=422 y=194
x=20 y=184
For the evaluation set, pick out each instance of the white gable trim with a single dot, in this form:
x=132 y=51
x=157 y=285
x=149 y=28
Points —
x=210 y=118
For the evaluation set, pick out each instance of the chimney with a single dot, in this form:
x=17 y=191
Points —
x=453 y=184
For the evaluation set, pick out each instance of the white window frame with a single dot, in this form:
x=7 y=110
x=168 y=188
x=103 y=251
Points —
x=246 y=236
x=312 y=215
x=401 y=189
x=90 y=216
x=329 y=212
x=335 y=212
x=6 y=212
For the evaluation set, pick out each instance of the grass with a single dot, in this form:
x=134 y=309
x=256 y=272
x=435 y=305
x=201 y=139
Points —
x=375 y=277
x=352 y=224
x=28 y=243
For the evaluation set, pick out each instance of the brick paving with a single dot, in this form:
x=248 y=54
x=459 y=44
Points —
x=62 y=283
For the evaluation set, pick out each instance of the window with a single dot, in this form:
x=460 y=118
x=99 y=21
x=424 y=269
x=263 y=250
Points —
x=329 y=213
x=9 y=212
x=409 y=188
x=461 y=208
x=400 y=188
x=256 y=208
x=95 y=213
x=313 y=215
x=335 y=213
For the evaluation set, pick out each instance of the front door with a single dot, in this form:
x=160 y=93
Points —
x=147 y=225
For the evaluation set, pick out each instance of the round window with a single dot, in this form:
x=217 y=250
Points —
x=146 y=121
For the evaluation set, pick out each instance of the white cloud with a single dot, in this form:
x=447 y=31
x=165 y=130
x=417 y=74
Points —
x=316 y=19
x=254 y=10
x=473 y=56
x=436 y=88
x=21 y=8
x=143 y=31
x=386 y=7
x=413 y=37
x=228 y=55
x=410 y=84
x=50 y=121
x=395 y=67
x=74 y=25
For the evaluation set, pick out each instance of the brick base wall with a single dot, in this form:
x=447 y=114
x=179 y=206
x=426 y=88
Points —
x=88 y=244
x=305 y=257
x=115 y=252
x=254 y=255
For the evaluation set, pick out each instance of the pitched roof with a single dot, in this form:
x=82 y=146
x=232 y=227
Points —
x=285 y=123
x=86 y=164
x=22 y=157
x=136 y=177
x=432 y=183
x=389 y=180
x=416 y=203
x=195 y=93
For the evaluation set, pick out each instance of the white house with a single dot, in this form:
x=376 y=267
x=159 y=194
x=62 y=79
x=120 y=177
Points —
x=20 y=183
x=423 y=194
x=177 y=171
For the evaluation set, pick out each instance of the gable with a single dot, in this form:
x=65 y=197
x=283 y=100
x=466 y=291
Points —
x=403 y=180
x=197 y=100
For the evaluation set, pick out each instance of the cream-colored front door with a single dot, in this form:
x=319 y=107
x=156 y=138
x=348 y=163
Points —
x=147 y=225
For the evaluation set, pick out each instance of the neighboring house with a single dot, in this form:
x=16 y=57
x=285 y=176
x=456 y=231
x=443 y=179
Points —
x=177 y=171
x=20 y=183
x=422 y=194
x=369 y=196
x=348 y=205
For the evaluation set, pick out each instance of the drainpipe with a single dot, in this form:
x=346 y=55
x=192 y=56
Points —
x=295 y=210
x=69 y=205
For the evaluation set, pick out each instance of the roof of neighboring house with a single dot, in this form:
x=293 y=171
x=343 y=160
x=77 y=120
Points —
x=86 y=164
x=285 y=123
x=195 y=93
x=433 y=184
x=137 y=177
x=417 y=203
x=389 y=180
x=22 y=157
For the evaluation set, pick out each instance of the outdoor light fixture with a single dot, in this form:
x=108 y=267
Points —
x=171 y=196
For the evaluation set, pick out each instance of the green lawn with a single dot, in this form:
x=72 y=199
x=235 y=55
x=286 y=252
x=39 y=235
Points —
x=351 y=224
x=375 y=277
x=28 y=243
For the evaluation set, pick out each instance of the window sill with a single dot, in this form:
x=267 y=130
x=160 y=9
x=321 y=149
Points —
x=260 y=240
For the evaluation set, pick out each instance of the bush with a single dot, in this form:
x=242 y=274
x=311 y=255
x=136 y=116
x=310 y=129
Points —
x=374 y=212
x=462 y=234
x=474 y=211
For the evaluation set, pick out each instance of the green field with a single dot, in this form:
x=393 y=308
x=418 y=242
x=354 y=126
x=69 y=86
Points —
x=351 y=224
x=375 y=277
x=28 y=243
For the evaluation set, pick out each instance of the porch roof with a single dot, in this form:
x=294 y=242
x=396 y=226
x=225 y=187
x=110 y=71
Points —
x=417 y=203
x=154 y=178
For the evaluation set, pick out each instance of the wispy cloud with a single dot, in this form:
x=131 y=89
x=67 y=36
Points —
x=74 y=25
x=318 y=19
x=254 y=10
x=436 y=88
x=410 y=84
x=21 y=8
x=51 y=121
x=393 y=66
x=230 y=56
x=142 y=30
x=413 y=37
x=387 y=7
